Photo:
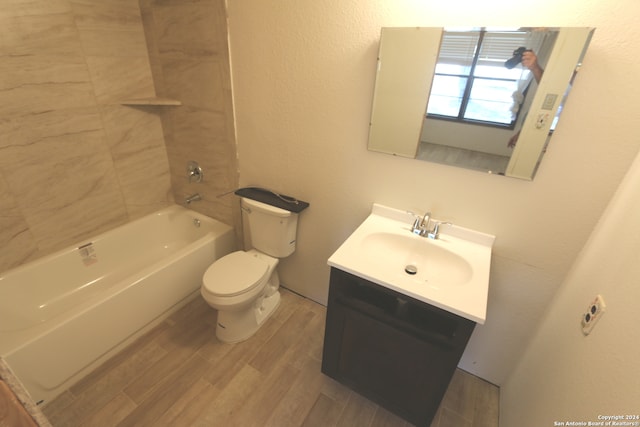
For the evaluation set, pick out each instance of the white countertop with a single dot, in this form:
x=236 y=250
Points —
x=461 y=256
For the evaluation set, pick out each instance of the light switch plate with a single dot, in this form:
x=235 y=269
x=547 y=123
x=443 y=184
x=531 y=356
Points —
x=549 y=101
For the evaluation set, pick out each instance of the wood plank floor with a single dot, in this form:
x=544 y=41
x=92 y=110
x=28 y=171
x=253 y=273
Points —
x=462 y=158
x=180 y=375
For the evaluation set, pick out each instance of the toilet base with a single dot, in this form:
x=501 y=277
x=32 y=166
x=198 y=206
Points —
x=235 y=326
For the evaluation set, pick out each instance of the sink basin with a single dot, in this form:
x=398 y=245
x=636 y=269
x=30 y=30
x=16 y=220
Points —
x=420 y=258
x=451 y=272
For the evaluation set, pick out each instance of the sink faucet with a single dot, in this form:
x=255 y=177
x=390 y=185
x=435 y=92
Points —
x=421 y=227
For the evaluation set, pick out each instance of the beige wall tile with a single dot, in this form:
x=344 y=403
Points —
x=118 y=78
x=144 y=180
x=196 y=82
x=16 y=241
x=65 y=183
x=45 y=97
x=108 y=15
x=137 y=147
x=37 y=128
x=128 y=129
x=112 y=28
x=149 y=25
x=107 y=42
x=73 y=161
x=199 y=135
x=13 y=8
x=20 y=70
x=53 y=34
x=189 y=40
x=188 y=29
x=8 y=132
x=33 y=84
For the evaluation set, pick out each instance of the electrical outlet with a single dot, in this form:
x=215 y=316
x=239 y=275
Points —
x=542 y=120
x=594 y=312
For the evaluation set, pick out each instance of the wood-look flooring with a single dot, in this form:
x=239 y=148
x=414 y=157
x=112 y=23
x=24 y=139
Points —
x=180 y=375
x=469 y=159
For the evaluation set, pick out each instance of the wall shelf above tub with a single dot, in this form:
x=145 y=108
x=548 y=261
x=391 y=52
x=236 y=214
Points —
x=152 y=101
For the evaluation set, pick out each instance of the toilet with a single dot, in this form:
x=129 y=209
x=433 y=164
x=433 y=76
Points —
x=243 y=285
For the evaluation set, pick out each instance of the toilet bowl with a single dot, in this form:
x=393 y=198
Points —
x=243 y=285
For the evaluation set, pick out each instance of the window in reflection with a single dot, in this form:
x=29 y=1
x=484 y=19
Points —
x=472 y=83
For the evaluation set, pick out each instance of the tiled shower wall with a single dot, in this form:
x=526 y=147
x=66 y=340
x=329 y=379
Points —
x=189 y=58
x=73 y=160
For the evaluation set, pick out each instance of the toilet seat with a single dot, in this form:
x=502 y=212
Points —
x=234 y=274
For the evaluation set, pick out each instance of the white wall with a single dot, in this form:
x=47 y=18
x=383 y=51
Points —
x=564 y=375
x=303 y=77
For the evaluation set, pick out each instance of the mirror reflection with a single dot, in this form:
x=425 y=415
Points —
x=481 y=106
x=483 y=85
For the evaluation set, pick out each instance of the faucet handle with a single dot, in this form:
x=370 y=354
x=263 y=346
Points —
x=194 y=172
x=436 y=230
x=416 y=228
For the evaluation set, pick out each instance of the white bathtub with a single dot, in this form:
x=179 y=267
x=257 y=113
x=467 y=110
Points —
x=63 y=315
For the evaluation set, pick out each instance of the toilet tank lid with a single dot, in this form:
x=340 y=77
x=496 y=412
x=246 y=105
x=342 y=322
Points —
x=272 y=198
x=234 y=274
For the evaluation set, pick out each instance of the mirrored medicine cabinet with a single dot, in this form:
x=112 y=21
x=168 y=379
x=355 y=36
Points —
x=470 y=98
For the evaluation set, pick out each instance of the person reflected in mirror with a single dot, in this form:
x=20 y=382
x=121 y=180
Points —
x=529 y=61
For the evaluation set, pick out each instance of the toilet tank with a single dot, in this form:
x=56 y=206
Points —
x=272 y=230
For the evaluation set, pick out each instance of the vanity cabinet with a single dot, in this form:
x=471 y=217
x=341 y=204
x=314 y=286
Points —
x=395 y=350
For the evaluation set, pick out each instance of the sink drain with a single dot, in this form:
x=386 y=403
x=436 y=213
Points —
x=411 y=269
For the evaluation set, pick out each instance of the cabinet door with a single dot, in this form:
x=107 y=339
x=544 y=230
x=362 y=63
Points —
x=406 y=375
x=397 y=351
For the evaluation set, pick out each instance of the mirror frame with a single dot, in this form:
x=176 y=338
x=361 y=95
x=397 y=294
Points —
x=403 y=83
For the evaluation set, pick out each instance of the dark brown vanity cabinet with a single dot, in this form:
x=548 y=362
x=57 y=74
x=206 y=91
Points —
x=397 y=351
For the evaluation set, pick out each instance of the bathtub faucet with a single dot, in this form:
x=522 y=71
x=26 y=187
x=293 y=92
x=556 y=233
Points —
x=193 y=198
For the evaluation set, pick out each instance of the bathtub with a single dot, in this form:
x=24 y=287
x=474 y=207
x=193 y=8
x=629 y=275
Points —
x=64 y=314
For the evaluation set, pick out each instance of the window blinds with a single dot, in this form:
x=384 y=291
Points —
x=459 y=47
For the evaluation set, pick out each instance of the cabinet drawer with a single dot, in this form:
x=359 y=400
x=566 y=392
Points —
x=407 y=314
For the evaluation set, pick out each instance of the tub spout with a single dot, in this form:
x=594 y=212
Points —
x=193 y=198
